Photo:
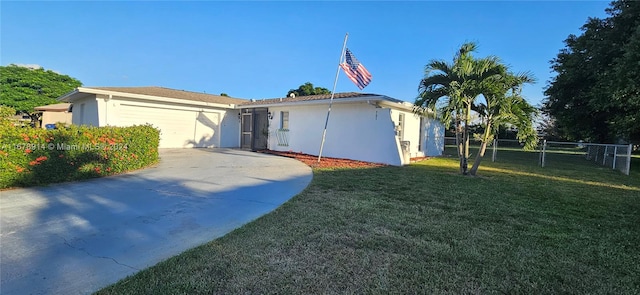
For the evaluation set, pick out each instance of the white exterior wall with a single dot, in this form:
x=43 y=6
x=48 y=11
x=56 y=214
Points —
x=49 y=117
x=85 y=112
x=356 y=131
x=434 y=138
x=230 y=129
x=411 y=131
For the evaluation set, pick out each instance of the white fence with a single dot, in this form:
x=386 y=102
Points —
x=614 y=156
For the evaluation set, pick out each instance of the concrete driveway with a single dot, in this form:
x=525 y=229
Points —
x=76 y=238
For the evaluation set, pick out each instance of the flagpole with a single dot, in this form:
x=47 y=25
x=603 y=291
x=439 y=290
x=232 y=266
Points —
x=333 y=92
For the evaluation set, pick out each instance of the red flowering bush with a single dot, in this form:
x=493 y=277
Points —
x=30 y=156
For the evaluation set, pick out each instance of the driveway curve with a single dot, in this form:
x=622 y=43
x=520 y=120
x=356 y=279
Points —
x=76 y=238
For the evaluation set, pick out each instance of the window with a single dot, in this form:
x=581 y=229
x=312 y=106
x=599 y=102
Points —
x=284 y=120
x=400 y=127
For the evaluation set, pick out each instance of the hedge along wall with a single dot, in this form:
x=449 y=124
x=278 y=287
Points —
x=32 y=156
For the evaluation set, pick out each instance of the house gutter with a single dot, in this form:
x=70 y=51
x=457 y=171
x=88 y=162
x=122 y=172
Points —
x=66 y=97
x=69 y=97
x=106 y=109
x=365 y=99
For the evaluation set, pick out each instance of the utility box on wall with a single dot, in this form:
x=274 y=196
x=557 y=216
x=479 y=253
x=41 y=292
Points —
x=406 y=151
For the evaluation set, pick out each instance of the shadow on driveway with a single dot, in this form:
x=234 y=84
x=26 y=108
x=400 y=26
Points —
x=76 y=238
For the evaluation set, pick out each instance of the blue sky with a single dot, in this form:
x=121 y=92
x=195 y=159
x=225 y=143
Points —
x=263 y=49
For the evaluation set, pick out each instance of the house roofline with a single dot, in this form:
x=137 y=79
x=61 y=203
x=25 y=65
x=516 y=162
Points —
x=69 y=97
x=58 y=107
x=382 y=100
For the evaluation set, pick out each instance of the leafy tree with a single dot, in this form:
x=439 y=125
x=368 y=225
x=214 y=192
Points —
x=308 y=89
x=224 y=94
x=453 y=88
x=24 y=88
x=595 y=95
x=547 y=127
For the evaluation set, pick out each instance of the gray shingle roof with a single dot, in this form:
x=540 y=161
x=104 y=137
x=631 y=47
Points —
x=336 y=96
x=173 y=93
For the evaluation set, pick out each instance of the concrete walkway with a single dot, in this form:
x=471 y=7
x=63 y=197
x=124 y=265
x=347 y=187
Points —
x=76 y=238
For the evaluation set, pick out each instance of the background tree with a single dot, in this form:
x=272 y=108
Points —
x=595 y=95
x=24 y=88
x=451 y=89
x=547 y=127
x=224 y=94
x=308 y=89
x=6 y=112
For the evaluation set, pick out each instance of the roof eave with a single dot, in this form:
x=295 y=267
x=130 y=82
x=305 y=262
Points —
x=149 y=97
x=406 y=106
x=54 y=108
x=312 y=102
x=67 y=97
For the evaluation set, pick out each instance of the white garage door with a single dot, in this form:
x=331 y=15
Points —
x=178 y=128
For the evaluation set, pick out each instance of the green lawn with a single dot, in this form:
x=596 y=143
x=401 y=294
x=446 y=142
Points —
x=517 y=229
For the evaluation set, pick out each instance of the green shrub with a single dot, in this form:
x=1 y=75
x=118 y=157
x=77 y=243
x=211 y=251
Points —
x=30 y=156
x=6 y=112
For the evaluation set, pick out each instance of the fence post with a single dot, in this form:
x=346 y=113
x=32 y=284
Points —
x=604 y=155
x=587 y=156
x=615 y=156
x=544 y=150
x=628 y=170
x=495 y=150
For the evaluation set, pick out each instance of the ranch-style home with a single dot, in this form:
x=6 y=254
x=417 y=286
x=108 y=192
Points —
x=366 y=127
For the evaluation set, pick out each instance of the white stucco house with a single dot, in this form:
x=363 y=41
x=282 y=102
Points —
x=185 y=119
x=362 y=126
x=366 y=127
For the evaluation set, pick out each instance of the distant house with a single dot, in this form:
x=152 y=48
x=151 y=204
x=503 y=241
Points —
x=55 y=113
x=367 y=127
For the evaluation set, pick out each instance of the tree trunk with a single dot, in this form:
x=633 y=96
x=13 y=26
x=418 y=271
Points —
x=483 y=149
x=465 y=158
x=476 y=163
x=459 y=145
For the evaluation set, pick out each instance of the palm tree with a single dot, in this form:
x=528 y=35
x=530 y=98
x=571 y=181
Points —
x=456 y=86
x=442 y=83
x=504 y=104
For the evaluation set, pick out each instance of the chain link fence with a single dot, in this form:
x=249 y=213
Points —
x=553 y=153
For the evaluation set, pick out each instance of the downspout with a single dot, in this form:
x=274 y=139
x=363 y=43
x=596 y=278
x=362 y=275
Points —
x=106 y=108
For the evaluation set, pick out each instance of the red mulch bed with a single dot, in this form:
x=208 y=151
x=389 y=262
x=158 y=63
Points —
x=324 y=162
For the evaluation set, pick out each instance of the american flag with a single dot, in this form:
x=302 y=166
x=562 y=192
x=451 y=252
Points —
x=355 y=70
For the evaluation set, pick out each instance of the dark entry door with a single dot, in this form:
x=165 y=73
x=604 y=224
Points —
x=260 y=129
x=246 y=133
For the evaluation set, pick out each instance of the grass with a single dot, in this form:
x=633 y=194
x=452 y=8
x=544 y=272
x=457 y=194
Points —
x=573 y=227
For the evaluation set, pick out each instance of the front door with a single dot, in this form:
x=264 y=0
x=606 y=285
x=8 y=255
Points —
x=254 y=129
x=246 y=133
x=260 y=129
